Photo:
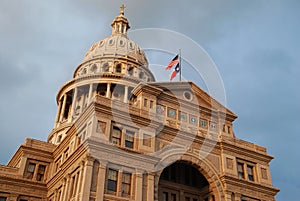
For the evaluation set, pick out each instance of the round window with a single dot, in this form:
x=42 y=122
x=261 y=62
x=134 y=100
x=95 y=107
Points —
x=188 y=95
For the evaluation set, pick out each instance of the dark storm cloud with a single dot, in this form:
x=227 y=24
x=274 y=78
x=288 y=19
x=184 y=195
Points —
x=255 y=45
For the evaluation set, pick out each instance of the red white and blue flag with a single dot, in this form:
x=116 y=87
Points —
x=174 y=61
x=175 y=71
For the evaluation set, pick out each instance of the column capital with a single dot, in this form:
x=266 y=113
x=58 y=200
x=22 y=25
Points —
x=88 y=160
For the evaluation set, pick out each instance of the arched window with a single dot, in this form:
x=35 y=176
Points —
x=105 y=67
x=94 y=68
x=118 y=68
x=130 y=71
x=141 y=75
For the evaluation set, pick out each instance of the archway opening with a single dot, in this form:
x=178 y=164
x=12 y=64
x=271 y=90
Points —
x=182 y=181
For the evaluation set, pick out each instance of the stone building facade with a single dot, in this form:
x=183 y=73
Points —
x=120 y=135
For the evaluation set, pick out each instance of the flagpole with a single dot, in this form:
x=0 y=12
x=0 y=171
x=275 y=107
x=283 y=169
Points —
x=180 y=65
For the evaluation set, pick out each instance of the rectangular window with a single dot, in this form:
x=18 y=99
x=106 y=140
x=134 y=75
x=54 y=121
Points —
x=246 y=170
x=30 y=170
x=112 y=178
x=2 y=198
x=41 y=173
x=66 y=153
x=116 y=136
x=165 y=196
x=126 y=183
x=241 y=173
x=173 y=197
x=151 y=104
x=229 y=129
x=203 y=123
x=129 y=138
x=224 y=128
x=250 y=172
x=145 y=102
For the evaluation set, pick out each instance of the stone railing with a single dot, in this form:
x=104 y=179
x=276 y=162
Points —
x=243 y=144
x=39 y=144
x=5 y=170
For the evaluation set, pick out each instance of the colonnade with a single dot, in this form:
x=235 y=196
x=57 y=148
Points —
x=73 y=102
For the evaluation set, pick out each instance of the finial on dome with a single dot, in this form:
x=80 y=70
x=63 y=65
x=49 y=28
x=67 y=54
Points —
x=122 y=9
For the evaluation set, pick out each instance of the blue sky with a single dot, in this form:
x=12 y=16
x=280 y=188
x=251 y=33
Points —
x=255 y=45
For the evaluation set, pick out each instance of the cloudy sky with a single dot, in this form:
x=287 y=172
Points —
x=254 y=44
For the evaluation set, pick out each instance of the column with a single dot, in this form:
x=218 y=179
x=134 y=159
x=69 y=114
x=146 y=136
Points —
x=82 y=102
x=22 y=165
x=73 y=107
x=139 y=186
x=108 y=90
x=126 y=95
x=58 y=113
x=90 y=94
x=62 y=111
x=63 y=189
x=156 y=181
x=79 y=190
x=56 y=195
x=87 y=179
x=66 y=190
x=101 y=182
x=150 y=187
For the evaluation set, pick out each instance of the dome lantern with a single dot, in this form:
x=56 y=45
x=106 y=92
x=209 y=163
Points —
x=120 y=25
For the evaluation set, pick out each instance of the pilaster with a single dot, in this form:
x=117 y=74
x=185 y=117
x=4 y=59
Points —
x=139 y=186
x=87 y=179
x=150 y=187
x=101 y=182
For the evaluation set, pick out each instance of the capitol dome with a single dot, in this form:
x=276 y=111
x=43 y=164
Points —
x=117 y=45
x=116 y=54
x=110 y=70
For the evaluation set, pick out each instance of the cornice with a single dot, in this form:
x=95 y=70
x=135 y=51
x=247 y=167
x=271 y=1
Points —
x=240 y=150
x=256 y=187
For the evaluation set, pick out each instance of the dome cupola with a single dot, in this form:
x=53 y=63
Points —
x=120 y=24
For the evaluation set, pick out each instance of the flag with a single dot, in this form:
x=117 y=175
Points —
x=176 y=70
x=174 y=61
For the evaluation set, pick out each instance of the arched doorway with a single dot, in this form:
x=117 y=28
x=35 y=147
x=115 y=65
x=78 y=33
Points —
x=182 y=181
